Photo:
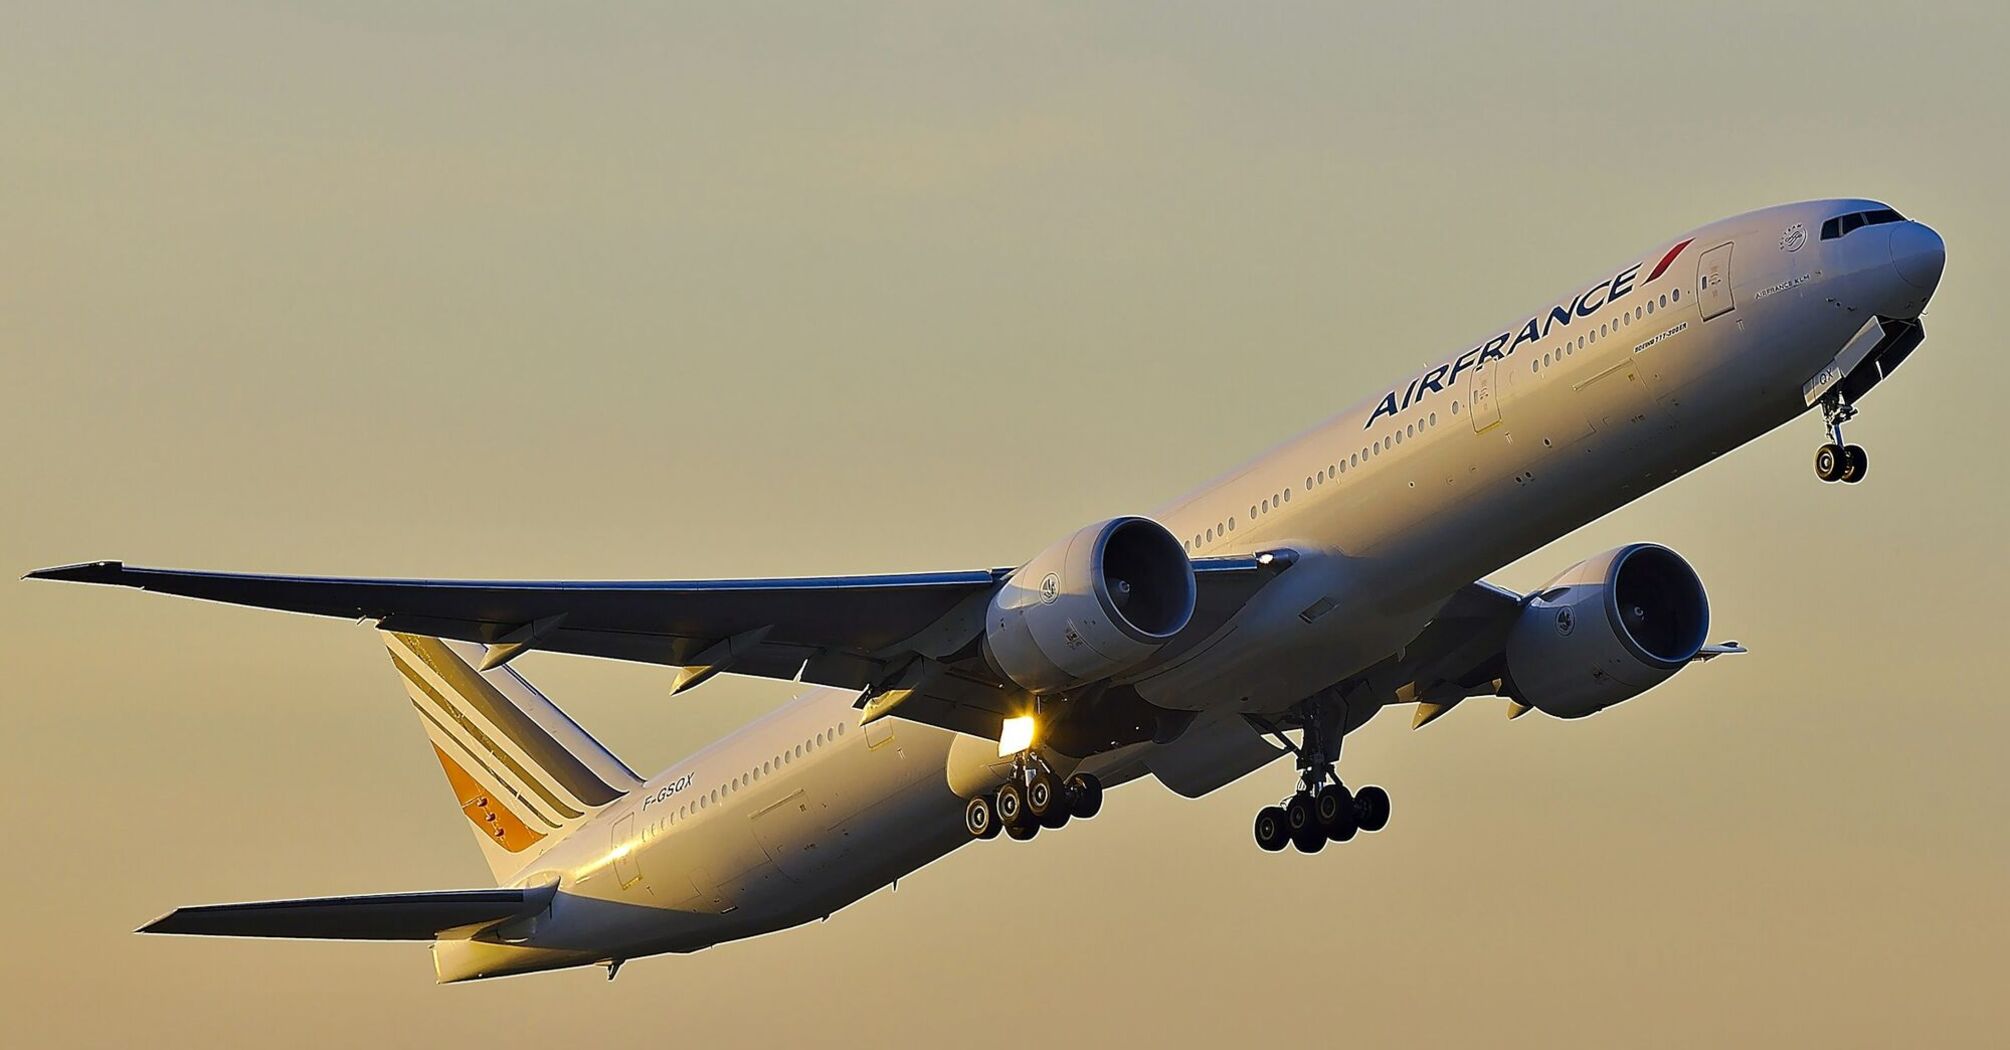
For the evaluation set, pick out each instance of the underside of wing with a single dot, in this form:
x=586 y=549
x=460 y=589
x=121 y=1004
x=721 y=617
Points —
x=914 y=636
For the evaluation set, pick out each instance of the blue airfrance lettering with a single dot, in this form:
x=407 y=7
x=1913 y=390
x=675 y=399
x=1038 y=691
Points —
x=1446 y=376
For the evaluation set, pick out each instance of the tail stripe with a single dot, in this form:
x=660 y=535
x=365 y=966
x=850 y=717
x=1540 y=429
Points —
x=523 y=731
x=526 y=805
x=495 y=821
x=474 y=731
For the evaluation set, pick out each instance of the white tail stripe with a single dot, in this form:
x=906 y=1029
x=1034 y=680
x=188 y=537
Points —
x=478 y=741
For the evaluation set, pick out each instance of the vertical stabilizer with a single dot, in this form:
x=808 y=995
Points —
x=525 y=775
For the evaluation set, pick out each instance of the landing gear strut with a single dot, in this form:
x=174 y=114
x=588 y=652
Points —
x=1322 y=810
x=1837 y=461
x=1033 y=797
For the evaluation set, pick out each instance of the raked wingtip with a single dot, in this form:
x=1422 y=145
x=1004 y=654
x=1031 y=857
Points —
x=81 y=572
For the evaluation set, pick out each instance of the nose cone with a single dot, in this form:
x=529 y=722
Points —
x=1918 y=254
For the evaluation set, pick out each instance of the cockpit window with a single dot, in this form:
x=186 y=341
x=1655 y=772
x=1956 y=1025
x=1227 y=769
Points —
x=1841 y=225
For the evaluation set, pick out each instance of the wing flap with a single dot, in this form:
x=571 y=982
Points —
x=375 y=917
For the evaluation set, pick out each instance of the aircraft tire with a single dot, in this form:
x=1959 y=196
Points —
x=1371 y=807
x=1855 y=462
x=980 y=819
x=1010 y=804
x=1085 y=795
x=1043 y=795
x=1298 y=815
x=1271 y=835
x=1829 y=462
x=1333 y=808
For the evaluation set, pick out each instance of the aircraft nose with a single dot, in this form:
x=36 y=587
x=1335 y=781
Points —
x=1918 y=253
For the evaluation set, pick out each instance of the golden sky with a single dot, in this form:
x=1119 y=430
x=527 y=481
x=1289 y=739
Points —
x=465 y=289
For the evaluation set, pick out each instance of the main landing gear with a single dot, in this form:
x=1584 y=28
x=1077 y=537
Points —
x=1033 y=797
x=1322 y=810
x=1837 y=461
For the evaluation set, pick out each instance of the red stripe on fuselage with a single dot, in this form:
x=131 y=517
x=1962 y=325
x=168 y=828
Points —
x=1662 y=266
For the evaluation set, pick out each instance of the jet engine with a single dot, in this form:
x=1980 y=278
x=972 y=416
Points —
x=1090 y=606
x=1608 y=629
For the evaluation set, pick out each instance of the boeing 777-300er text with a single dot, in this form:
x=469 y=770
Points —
x=1267 y=613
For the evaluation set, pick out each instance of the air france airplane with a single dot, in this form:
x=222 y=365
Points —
x=1267 y=613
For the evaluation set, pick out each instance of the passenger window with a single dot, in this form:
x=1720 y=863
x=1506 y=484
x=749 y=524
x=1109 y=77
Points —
x=1676 y=295
x=1287 y=495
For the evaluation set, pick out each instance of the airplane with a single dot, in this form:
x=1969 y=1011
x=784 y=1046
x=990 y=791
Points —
x=1269 y=612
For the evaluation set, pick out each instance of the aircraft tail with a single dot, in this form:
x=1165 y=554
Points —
x=525 y=775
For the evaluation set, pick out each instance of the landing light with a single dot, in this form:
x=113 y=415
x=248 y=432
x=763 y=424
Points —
x=1017 y=736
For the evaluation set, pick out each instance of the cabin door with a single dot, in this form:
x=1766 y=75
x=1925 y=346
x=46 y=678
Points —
x=1713 y=282
x=1482 y=397
x=627 y=866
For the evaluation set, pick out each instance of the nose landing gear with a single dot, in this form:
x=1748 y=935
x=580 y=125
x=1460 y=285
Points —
x=1033 y=797
x=1837 y=461
x=1322 y=810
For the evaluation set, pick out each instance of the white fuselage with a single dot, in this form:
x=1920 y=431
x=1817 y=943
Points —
x=1586 y=403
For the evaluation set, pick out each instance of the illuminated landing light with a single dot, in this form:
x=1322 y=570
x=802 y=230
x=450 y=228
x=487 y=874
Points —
x=1017 y=736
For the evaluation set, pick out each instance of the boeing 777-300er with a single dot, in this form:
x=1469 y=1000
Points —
x=1267 y=613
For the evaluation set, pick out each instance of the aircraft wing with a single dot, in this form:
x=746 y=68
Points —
x=848 y=631
x=377 y=917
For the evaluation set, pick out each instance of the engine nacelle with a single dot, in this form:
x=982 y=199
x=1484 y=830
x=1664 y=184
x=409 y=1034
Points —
x=1090 y=606
x=1608 y=629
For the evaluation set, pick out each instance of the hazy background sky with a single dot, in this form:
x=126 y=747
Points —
x=471 y=289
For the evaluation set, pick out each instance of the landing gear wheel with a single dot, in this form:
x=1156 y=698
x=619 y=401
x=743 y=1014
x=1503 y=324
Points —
x=1022 y=832
x=1829 y=460
x=1057 y=815
x=1085 y=795
x=1010 y=807
x=1271 y=833
x=1334 y=810
x=1298 y=815
x=1371 y=808
x=1043 y=795
x=979 y=819
x=1303 y=824
x=1855 y=463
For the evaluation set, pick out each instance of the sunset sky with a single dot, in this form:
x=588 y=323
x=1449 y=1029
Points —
x=662 y=291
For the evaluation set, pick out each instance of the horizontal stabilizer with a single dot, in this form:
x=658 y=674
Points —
x=377 y=917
